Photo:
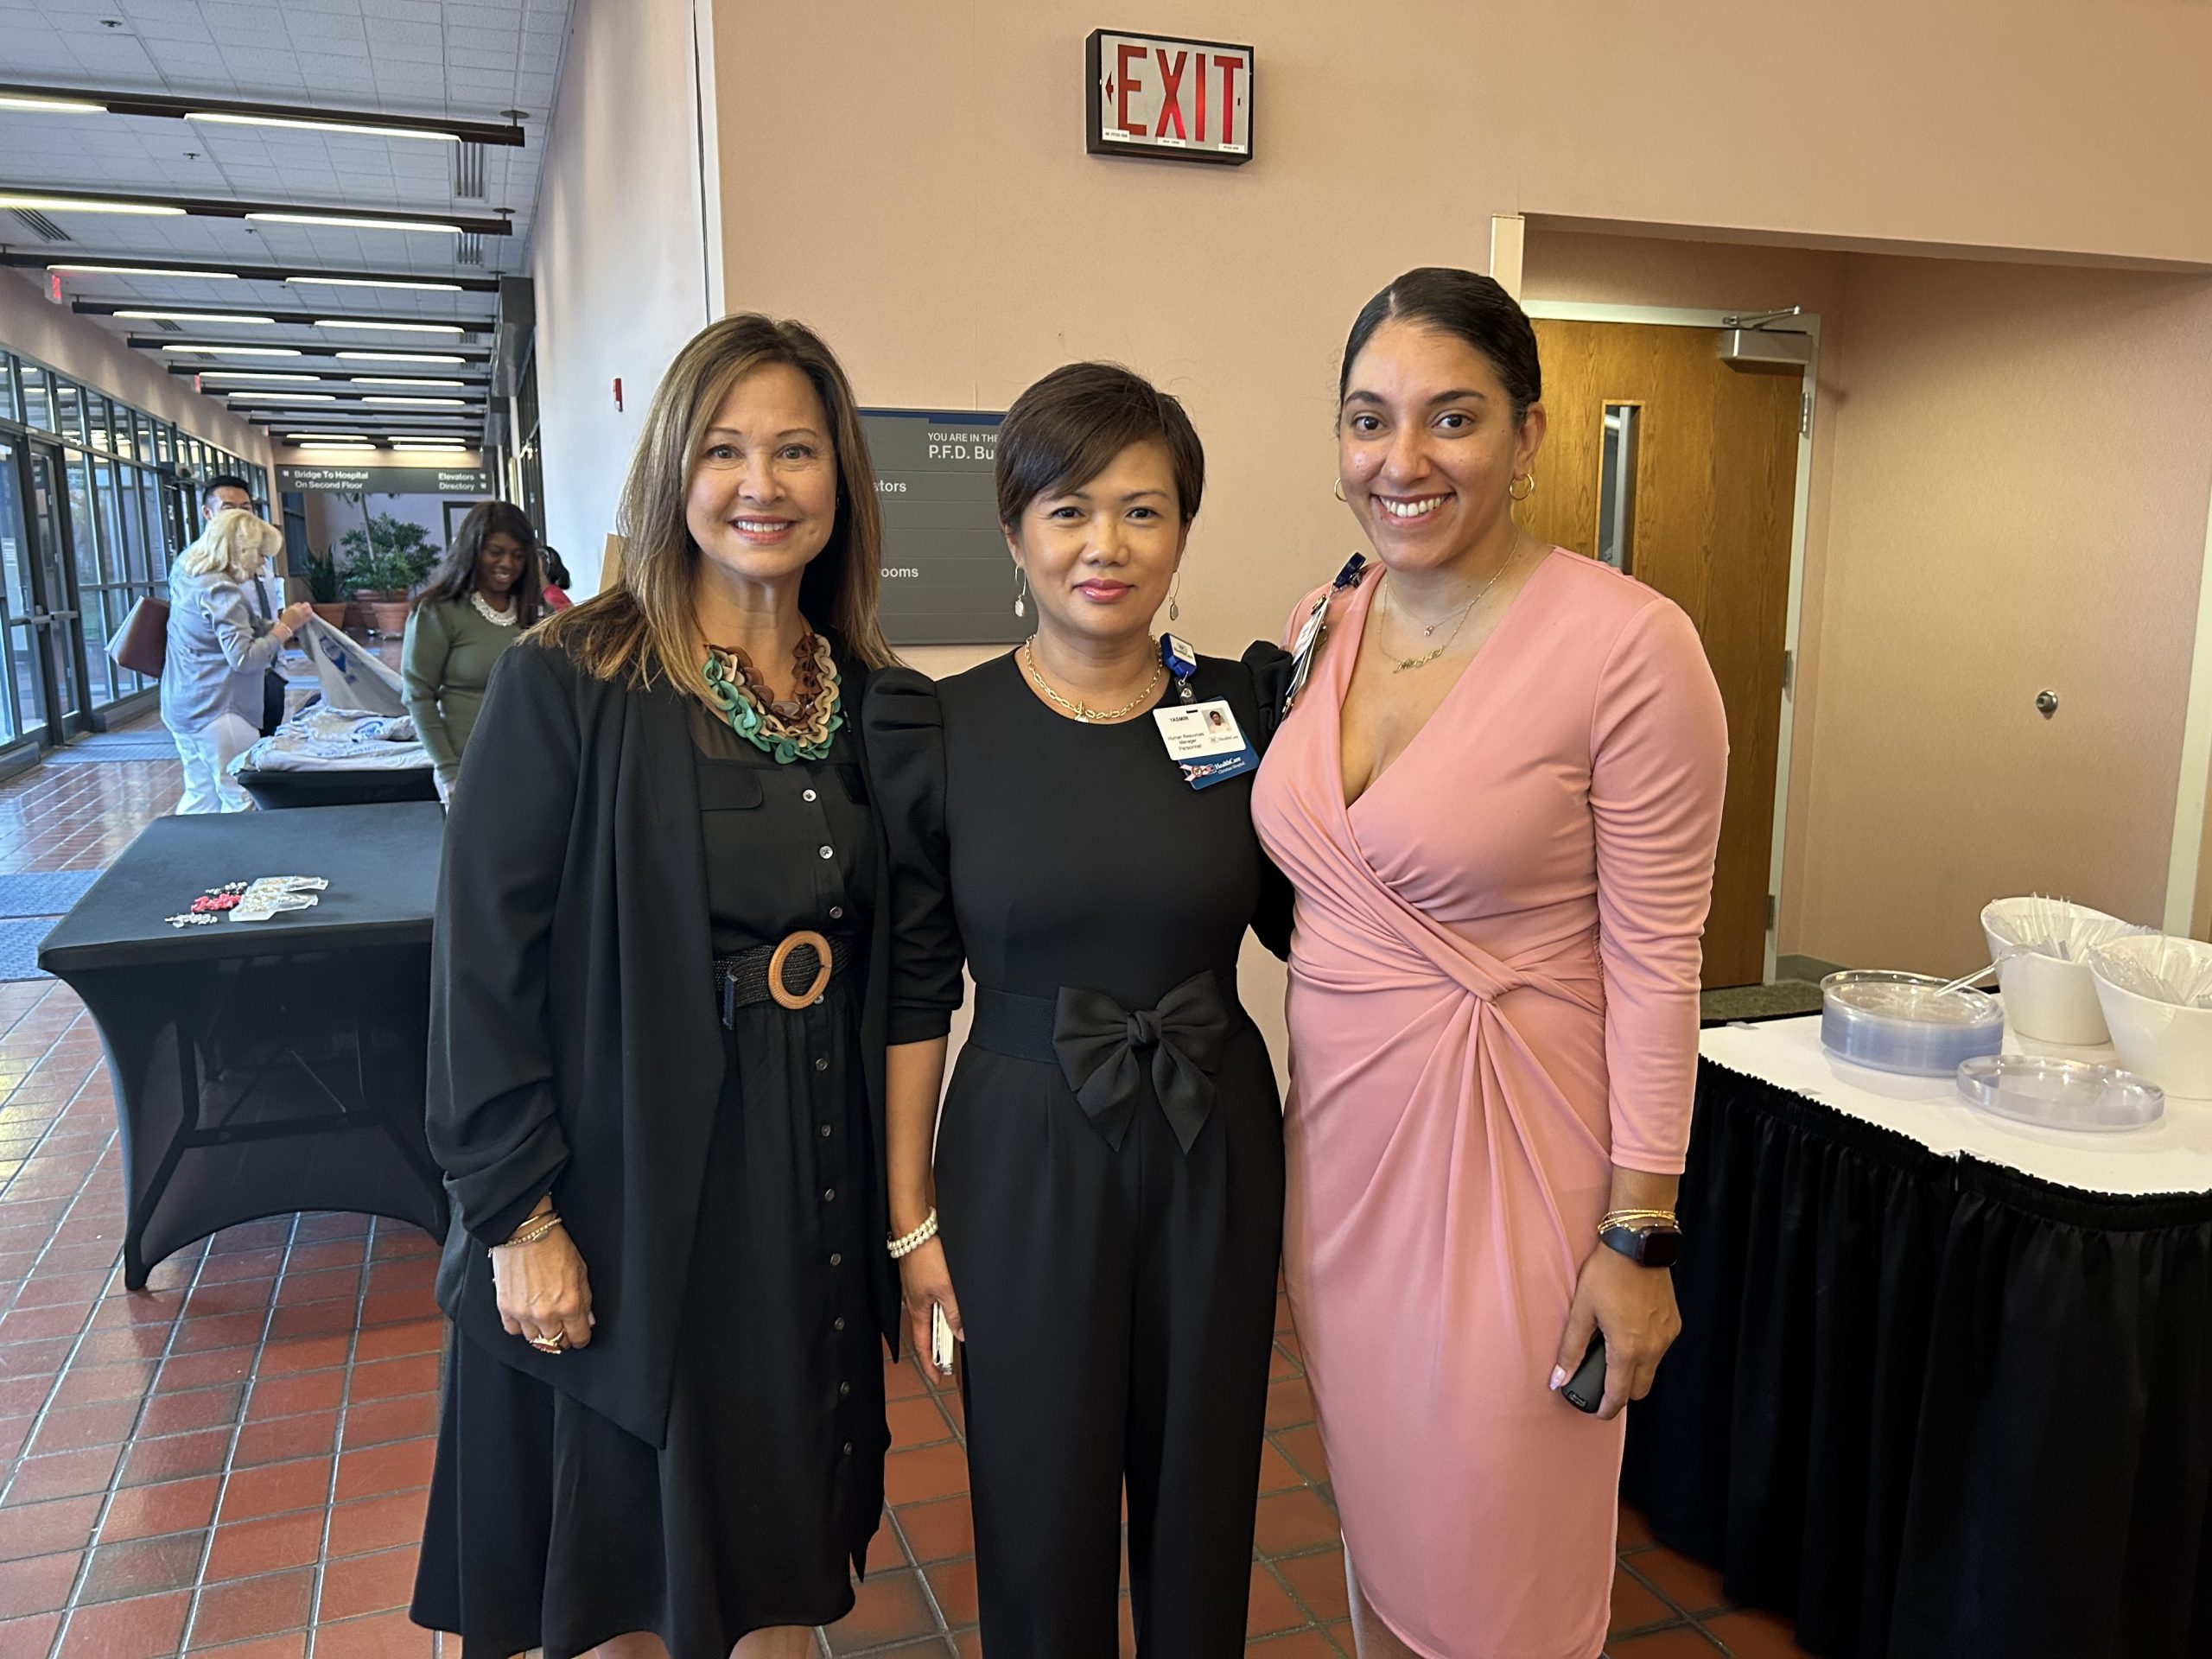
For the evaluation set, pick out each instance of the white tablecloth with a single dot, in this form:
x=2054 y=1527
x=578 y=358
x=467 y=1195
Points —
x=2172 y=1155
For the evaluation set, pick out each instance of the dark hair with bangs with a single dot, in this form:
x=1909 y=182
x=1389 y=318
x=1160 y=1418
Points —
x=1475 y=309
x=1067 y=429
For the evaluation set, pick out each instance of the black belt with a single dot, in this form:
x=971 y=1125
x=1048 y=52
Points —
x=795 y=973
x=1104 y=1050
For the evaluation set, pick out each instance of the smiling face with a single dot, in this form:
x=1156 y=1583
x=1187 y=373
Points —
x=499 y=566
x=763 y=495
x=1100 y=557
x=1426 y=446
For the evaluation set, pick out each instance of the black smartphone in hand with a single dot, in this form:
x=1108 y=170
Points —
x=1585 y=1389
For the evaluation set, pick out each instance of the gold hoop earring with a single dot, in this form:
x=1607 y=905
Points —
x=1531 y=483
x=1340 y=492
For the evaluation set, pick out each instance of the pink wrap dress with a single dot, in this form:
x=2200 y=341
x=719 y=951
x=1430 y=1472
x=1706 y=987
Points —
x=1493 y=999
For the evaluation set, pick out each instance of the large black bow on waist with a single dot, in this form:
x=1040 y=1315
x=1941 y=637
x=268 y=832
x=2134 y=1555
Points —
x=1104 y=1050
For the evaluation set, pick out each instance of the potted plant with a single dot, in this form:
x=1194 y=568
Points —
x=384 y=559
x=324 y=591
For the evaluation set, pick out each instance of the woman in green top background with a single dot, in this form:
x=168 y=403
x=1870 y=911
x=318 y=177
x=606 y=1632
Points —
x=484 y=594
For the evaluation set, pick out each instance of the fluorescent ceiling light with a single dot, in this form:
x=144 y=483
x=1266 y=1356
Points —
x=230 y=120
x=401 y=380
x=50 y=105
x=197 y=317
x=344 y=221
x=281 y=396
x=369 y=282
x=86 y=205
x=147 y=270
x=419 y=403
x=250 y=374
x=391 y=328
x=431 y=443
x=398 y=357
x=234 y=351
x=335 y=437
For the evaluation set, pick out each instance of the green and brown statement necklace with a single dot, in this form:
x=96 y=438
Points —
x=800 y=730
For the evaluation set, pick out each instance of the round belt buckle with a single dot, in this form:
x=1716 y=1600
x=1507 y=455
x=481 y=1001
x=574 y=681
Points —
x=784 y=999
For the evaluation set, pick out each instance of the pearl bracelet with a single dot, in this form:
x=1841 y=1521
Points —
x=905 y=1245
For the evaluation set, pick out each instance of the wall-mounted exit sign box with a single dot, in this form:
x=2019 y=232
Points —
x=1181 y=100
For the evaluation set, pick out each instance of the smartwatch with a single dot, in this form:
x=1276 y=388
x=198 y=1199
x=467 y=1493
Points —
x=1652 y=1244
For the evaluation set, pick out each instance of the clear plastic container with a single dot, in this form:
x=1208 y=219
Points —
x=1906 y=1022
x=2055 y=1094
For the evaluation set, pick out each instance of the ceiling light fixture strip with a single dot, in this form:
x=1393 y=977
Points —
x=74 y=100
x=63 y=199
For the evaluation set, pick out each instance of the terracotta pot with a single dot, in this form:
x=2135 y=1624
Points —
x=378 y=615
x=335 y=615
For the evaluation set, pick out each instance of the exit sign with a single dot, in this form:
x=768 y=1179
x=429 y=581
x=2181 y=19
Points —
x=1154 y=95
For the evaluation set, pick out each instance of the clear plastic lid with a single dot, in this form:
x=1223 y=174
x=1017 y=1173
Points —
x=2059 y=1094
x=1881 y=995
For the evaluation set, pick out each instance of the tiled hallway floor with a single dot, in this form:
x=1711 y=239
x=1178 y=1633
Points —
x=235 y=1460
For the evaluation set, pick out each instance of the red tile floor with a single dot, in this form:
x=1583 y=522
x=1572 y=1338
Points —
x=234 y=1460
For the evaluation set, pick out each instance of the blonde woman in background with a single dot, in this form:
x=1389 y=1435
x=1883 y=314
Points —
x=212 y=673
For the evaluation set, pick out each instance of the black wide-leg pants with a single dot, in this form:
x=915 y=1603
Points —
x=1119 y=1308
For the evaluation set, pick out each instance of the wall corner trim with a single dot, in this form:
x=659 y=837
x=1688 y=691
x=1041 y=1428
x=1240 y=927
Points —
x=1507 y=238
x=2184 y=911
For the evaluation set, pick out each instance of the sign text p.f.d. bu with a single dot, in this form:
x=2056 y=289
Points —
x=1182 y=100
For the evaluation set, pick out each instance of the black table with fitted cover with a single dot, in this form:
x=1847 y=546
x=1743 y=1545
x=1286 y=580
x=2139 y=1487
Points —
x=261 y=1068
x=1930 y=1402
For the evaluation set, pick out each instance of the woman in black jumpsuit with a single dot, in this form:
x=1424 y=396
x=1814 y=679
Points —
x=1108 y=1168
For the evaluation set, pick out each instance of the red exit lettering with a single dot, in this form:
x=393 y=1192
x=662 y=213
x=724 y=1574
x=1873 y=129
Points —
x=1229 y=66
x=1125 y=54
x=1171 y=95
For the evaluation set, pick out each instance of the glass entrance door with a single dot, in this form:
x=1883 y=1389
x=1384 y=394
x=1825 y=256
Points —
x=22 y=707
x=57 y=633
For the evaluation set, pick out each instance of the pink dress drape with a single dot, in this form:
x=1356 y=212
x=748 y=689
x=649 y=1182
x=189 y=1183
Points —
x=1493 y=999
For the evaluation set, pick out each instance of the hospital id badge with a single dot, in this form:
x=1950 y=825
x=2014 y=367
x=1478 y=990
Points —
x=1204 y=740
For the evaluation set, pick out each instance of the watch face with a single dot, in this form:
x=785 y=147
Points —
x=1663 y=1248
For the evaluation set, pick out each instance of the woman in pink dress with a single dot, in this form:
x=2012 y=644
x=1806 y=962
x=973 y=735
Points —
x=1498 y=796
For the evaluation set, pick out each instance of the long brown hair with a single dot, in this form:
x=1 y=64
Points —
x=455 y=577
x=643 y=627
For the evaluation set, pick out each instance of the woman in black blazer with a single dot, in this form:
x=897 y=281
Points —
x=661 y=994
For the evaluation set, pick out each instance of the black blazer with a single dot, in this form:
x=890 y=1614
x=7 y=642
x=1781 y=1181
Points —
x=575 y=1044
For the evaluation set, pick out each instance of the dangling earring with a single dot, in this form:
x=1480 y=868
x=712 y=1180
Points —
x=1020 y=592
x=1339 y=491
x=1174 y=603
x=1530 y=481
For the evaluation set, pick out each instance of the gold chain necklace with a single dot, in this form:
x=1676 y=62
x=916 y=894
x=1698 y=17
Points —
x=1083 y=711
x=1400 y=666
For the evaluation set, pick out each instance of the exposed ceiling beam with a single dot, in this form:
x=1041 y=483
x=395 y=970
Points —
x=92 y=199
x=84 y=100
x=319 y=317
x=180 y=344
x=304 y=275
x=459 y=403
x=431 y=376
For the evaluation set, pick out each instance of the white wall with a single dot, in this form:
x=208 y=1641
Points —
x=620 y=255
x=85 y=350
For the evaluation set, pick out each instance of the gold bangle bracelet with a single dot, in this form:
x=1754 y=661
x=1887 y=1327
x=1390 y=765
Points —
x=531 y=1231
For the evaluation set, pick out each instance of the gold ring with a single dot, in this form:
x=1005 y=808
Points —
x=548 y=1345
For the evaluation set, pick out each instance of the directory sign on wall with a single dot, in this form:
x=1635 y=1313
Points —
x=947 y=578
x=386 y=481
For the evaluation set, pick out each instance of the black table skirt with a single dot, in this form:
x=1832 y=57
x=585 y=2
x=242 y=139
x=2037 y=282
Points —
x=266 y=1067
x=1930 y=1407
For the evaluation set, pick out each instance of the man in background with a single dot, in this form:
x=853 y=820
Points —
x=226 y=490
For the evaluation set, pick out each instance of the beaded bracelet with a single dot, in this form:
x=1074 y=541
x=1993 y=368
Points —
x=531 y=1231
x=905 y=1245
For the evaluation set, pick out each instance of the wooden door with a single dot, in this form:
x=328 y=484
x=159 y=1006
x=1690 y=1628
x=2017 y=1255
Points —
x=1708 y=523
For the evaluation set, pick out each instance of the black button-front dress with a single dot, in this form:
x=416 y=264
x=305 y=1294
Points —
x=1116 y=1285
x=549 y=1525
